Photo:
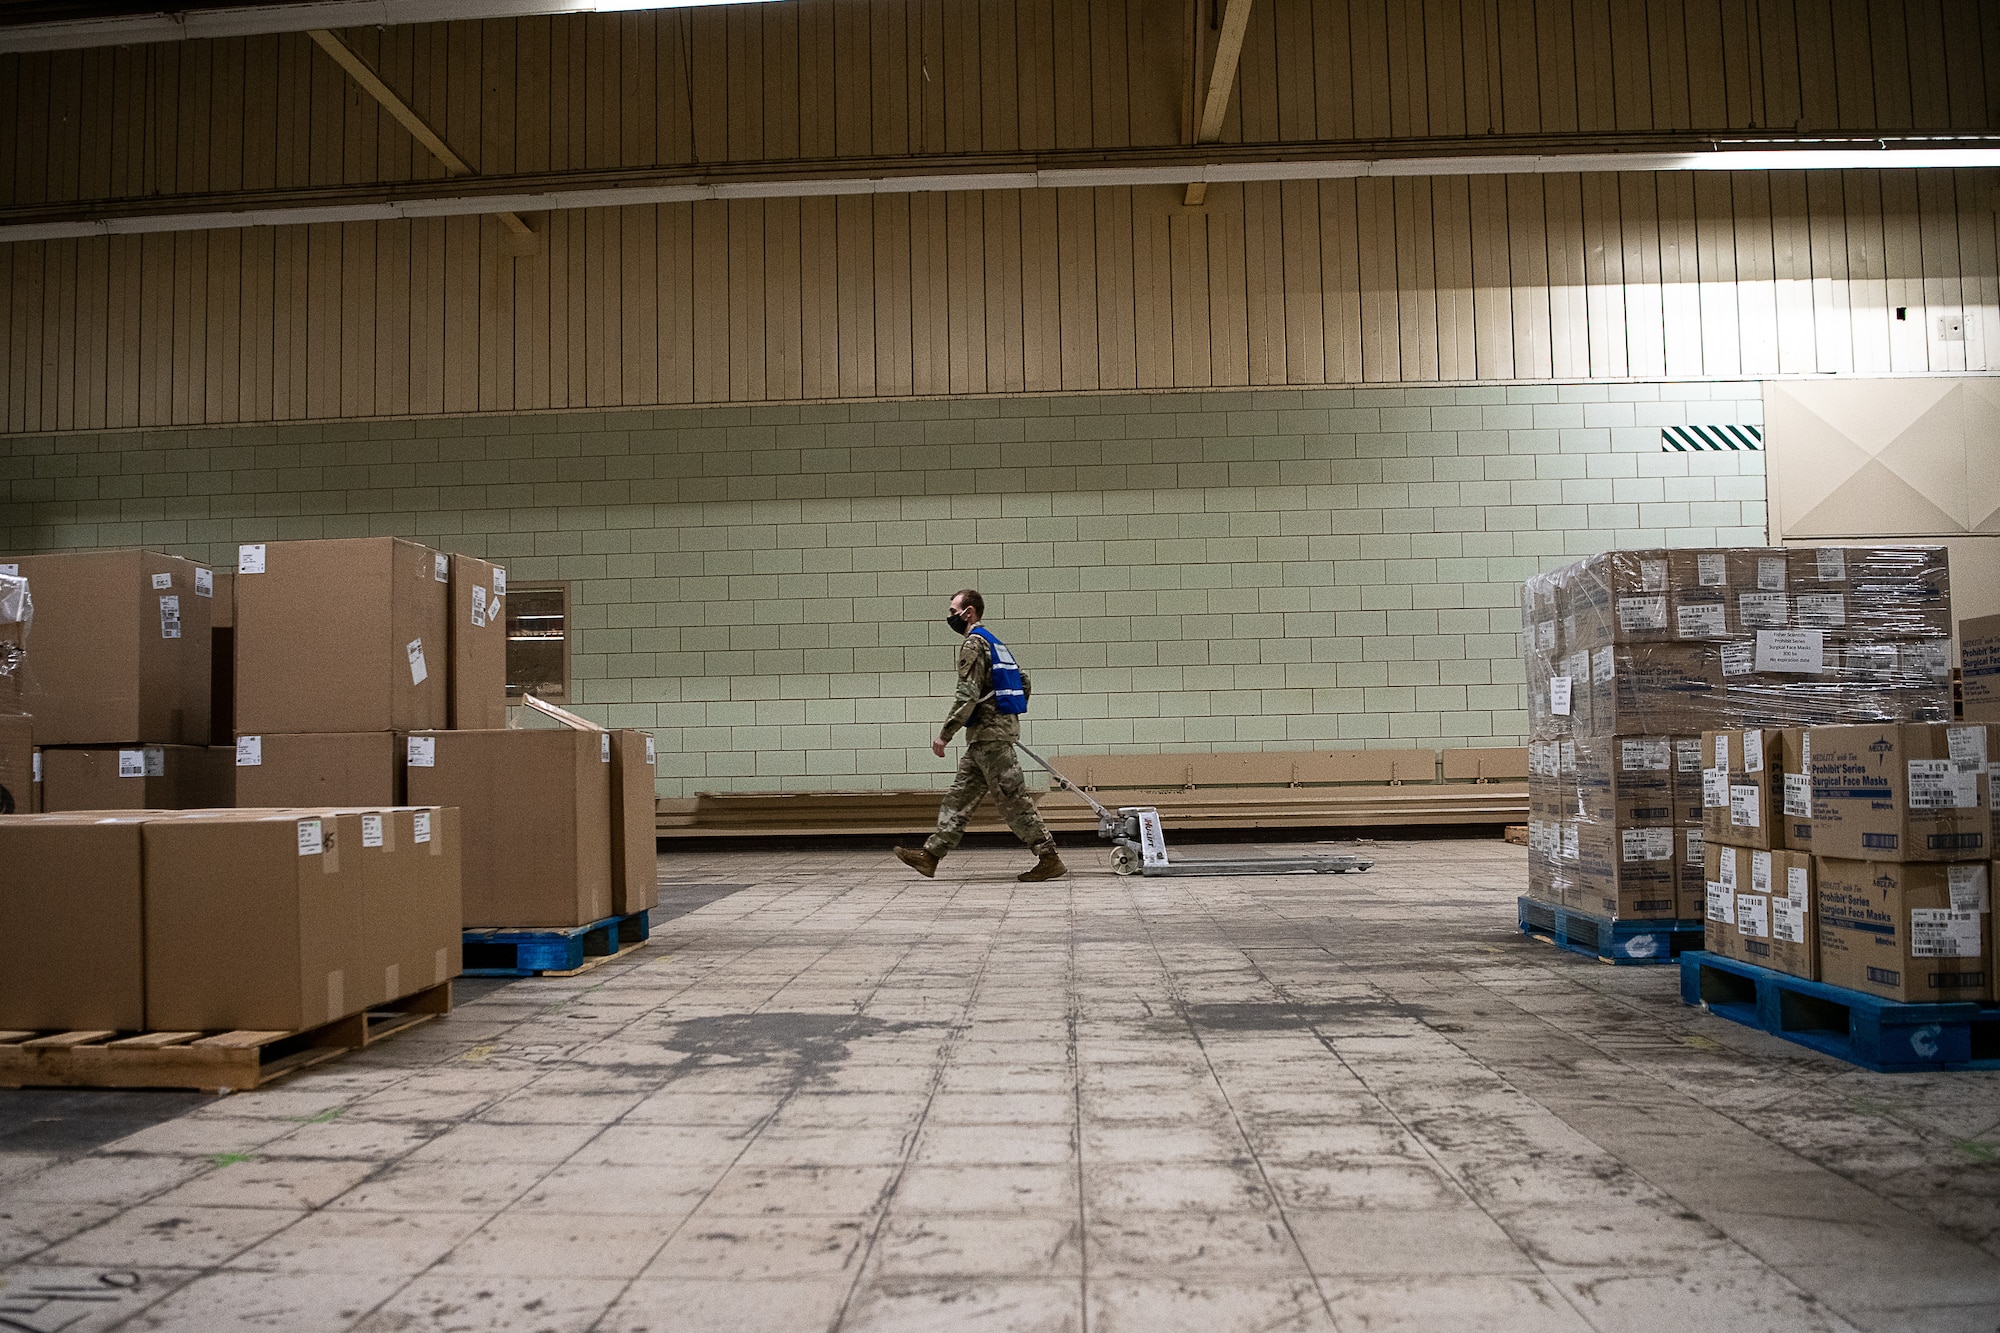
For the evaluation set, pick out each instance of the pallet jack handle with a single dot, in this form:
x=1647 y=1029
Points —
x=1107 y=822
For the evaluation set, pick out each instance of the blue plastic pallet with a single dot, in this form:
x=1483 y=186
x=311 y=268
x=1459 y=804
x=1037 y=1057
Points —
x=527 y=953
x=1883 y=1035
x=1609 y=941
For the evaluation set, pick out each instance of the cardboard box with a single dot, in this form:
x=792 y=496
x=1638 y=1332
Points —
x=18 y=783
x=71 y=927
x=1774 y=924
x=341 y=636
x=254 y=919
x=635 y=868
x=477 y=686
x=1759 y=589
x=535 y=808
x=1544 y=855
x=1567 y=848
x=1690 y=874
x=1906 y=931
x=1626 y=872
x=1655 y=688
x=1916 y=792
x=1561 y=701
x=1979 y=668
x=412 y=891
x=1743 y=788
x=1725 y=870
x=360 y=769
x=1626 y=781
x=1688 y=763
x=1617 y=597
x=149 y=777
x=119 y=649
x=1895 y=591
x=1795 y=779
x=1759 y=907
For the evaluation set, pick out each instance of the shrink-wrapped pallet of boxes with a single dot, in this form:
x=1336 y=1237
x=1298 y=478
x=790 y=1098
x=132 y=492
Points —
x=1636 y=660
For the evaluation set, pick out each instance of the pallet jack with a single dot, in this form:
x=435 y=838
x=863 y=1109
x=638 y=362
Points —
x=1139 y=843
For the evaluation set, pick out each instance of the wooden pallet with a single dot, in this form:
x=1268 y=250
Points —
x=1886 y=1036
x=553 y=951
x=1605 y=939
x=207 y=1061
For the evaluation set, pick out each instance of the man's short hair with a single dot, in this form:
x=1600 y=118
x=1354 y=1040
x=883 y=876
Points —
x=971 y=598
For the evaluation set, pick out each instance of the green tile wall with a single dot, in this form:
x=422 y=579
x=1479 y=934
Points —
x=763 y=587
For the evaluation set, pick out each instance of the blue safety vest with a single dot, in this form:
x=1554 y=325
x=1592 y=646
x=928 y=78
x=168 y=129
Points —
x=1008 y=694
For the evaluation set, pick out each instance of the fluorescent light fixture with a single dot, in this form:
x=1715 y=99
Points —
x=250 y=20
x=1729 y=158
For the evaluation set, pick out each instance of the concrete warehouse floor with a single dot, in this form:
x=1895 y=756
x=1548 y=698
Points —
x=844 y=1097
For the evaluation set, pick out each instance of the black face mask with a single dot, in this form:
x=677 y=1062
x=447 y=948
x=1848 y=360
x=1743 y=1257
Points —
x=957 y=623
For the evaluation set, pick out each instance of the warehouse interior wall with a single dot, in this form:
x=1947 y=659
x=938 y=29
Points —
x=764 y=587
x=1482 y=279
x=1298 y=283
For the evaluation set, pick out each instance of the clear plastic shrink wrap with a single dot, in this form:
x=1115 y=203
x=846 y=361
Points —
x=17 y=616
x=1631 y=655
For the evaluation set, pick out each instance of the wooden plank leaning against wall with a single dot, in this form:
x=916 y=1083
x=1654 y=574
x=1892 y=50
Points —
x=1305 y=283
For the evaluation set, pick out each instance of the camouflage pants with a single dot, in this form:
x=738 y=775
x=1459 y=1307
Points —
x=989 y=766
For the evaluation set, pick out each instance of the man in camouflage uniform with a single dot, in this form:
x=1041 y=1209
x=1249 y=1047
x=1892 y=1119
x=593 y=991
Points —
x=992 y=695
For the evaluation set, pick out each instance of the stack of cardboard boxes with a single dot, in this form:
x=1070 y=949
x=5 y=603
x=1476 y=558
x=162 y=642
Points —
x=114 y=680
x=374 y=671
x=1887 y=887
x=311 y=867
x=1759 y=895
x=197 y=920
x=1632 y=656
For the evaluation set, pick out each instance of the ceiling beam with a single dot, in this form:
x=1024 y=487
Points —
x=364 y=74
x=1175 y=167
x=250 y=20
x=1221 y=79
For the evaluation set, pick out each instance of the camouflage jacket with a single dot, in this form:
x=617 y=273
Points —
x=970 y=708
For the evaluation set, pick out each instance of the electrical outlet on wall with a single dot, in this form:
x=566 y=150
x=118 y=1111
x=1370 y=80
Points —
x=1951 y=328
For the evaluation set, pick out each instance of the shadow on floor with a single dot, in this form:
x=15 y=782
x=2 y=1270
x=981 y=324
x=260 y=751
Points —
x=65 y=1122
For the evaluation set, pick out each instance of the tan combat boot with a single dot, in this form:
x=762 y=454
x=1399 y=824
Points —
x=919 y=860
x=1050 y=866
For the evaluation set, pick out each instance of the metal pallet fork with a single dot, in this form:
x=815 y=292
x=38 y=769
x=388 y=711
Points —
x=1139 y=843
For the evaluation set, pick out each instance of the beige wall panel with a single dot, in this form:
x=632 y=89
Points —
x=1915 y=459
x=1884 y=457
